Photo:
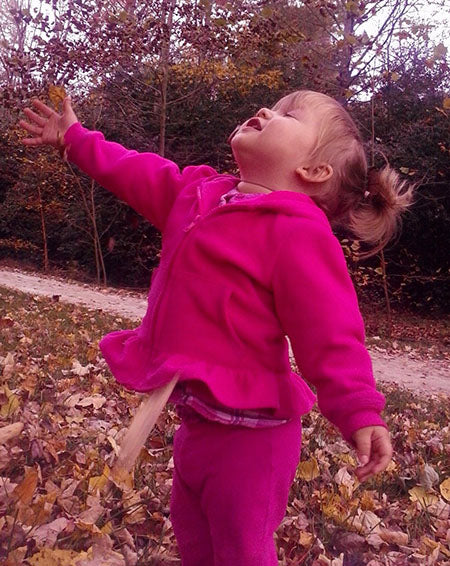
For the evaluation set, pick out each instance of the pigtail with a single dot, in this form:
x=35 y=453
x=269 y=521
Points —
x=378 y=217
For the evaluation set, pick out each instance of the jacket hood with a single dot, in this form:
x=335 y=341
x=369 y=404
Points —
x=290 y=203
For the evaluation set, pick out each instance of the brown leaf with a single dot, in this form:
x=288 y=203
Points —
x=444 y=488
x=24 y=491
x=49 y=557
x=8 y=366
x=10 y=431
x=46 y=535
x=101 y=554
x=56 y=95
x=393 y=537
x=6 y=322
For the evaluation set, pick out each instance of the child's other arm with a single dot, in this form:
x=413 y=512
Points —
x=318 y=309
x=146 y=181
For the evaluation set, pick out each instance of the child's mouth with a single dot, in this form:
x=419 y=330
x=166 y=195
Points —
x=253 y=123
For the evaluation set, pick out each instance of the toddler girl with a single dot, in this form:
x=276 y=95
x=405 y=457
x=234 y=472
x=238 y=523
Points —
x=245 y=262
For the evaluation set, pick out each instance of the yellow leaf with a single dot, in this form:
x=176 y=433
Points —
x=366 y=501
x=395 y=76
x=107 y=528
x=305 y=539
x=56 y=95
x=24 y=491
x=11 y=406
x=89 y=527
x=308 y=470
x=444 y=488
x=424 y=497
x=136 y=511
x=121 y=478
x=446 y=103
x=97 y=483
x=427 y=544
x=49 y=557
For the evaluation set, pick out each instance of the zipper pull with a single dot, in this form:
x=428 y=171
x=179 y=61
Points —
x=193 y=223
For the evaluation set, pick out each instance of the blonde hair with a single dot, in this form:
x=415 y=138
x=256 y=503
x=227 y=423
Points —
x=366 y=201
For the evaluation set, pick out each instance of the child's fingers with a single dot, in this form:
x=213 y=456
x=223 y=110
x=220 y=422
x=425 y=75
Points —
x=46 y=110
x=39 y=120
x=375 y=466
x=32 y=141
x=30 y=127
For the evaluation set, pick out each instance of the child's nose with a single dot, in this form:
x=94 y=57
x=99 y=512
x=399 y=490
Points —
x=264 y=113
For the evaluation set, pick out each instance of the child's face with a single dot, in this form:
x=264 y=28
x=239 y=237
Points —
x=277 y=138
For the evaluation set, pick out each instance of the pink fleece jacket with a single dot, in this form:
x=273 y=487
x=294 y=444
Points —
x=232 y=282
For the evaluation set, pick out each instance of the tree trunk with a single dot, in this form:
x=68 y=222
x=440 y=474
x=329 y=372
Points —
x=165 y=56
x=43 y=229
x=345 y=72
x=99 y=260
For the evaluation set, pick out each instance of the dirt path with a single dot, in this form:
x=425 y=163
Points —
x=422 y=376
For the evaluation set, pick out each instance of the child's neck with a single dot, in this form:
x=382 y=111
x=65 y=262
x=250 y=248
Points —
x=249 y=187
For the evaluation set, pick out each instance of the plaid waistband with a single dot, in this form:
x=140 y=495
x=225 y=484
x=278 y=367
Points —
x=188 y=406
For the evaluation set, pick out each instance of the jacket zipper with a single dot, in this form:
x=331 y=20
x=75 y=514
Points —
x=186 y=231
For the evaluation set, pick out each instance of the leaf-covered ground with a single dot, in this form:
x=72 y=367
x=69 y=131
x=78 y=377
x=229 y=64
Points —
x=62 y=417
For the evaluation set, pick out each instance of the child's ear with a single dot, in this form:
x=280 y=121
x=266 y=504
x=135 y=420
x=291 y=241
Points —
x=315 y=173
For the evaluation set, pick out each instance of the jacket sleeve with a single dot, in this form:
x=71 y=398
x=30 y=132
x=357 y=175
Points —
x=147 y=182
x=318 y=310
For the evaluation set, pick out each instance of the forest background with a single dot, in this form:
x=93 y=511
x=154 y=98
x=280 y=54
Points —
x=176 y=77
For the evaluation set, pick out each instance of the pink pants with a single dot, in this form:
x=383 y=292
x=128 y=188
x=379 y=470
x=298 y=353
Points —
x=230 y=490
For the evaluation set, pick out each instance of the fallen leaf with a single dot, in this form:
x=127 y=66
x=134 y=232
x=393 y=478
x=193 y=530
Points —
x=444 y=488
x=24 y=491
x=46 y=535
x=10 y=431
x=101 y=554
x=308 y=470
x=80 y=370
x=97 y=483
x=393 y=537
x=428 y=476
x=17 y=556
x=49 y=557
x=8 y=367
x=422 y=496
x=96 y=400
x=366 y=521
x=12 y=404
x=305 y=539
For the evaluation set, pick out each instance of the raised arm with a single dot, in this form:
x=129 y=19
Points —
x=145 y=181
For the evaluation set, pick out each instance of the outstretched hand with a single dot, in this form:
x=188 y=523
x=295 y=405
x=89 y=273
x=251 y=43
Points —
x=374 y=450
x=48 y=127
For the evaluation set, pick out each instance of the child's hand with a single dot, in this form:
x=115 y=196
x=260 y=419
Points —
x=48 y=127
x=374 y=450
